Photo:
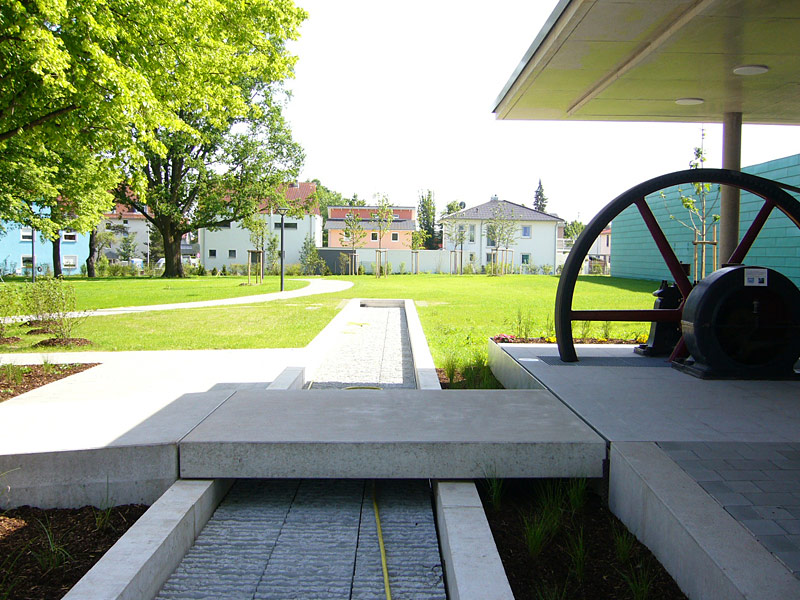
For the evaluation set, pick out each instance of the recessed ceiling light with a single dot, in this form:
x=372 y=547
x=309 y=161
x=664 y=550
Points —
x=689 y=101
x=750 y=69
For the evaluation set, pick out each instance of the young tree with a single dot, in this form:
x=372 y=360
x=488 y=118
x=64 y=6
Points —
x=352 y=236
x=383 y=221
x=310 y=260
x=99 y=241
x=539 y=199
x=456 y=234
x=502 y=229
x=260 y=235
x=572 y=229
x=426 y=217
x=127 y=248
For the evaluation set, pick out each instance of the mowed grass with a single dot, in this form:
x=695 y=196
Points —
x=113 y=292
x=458 y=314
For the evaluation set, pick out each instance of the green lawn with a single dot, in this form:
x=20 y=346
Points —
x=111 y=292
x=457 y=313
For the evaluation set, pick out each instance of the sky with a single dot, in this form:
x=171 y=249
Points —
x=397 y=98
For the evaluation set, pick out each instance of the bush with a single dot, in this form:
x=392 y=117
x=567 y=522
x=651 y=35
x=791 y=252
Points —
x=402 y=268
x=224 y=271
x=11 y=303
x=360 y=269
x=201 y=270
x=53 y=300
x=293 y=270
x=547 y=269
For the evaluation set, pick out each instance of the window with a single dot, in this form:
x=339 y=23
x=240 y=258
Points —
x=608 y=241
x=395 y=236
x=27 y=261
x=374 y=237
x=286 y=225
x=26 y=234
x=69 y=262
x=471 y=257
x=231 y=253
x=224 y=225
x=124 y=221
x=526 y=231
x=488 y=258
x=212 y=253
x=69 y=236
x=472 y=233
x=526 y=259
x=489 y=240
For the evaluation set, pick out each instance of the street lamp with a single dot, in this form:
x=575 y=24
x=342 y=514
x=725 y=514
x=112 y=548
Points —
x=282 y=210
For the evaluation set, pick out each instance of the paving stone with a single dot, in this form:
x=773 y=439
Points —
x=741 y=513
x=731 y=499
x=732 y=475
x=743 y=464
x=783 y=475
x=791 y=560
x=702 y=475
x=777 y=486
x=759 y=451
x=790 y=525
x=745 y=486
x=764 y=527
x=773 y=513
x=771 y=499
x=787 y=465
x=679 y=455
x=717 y=487
x=776 y=543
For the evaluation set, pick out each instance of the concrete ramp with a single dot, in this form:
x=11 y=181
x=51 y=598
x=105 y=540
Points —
x=392 y=434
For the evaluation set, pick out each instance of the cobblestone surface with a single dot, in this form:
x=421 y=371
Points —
x=757 y=483
x=372 y=350
x=313 y=539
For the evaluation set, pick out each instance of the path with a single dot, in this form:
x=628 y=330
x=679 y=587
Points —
x=283 y=539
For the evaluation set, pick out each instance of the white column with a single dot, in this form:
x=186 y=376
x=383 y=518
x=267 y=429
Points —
x=729 y=198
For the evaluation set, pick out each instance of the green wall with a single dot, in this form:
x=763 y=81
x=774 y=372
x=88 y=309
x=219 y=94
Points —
x=634 y=254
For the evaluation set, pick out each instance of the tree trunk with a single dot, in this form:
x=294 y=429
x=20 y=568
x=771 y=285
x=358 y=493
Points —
x=173 y=267
x=90 y=260
x=57 y=256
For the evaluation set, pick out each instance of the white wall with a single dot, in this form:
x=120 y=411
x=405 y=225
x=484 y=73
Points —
x=541 y=245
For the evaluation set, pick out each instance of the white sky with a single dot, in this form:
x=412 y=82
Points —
x=396 y=97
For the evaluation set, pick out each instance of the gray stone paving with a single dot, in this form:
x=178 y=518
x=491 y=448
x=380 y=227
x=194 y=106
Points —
x=373 y=350
x=313 y=539
x=756 y=483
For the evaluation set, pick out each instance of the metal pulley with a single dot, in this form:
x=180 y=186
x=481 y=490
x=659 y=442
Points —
x=742 y=322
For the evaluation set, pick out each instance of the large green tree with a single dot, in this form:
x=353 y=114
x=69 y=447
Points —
x=539 y=199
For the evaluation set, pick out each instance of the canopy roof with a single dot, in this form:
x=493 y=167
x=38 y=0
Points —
x=613 y=60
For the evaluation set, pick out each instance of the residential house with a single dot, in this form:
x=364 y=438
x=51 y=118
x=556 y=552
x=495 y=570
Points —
x=229 y=244
x=396 y=237
x=20 y=246
x=536 y=234
x=599 y=255
x=125 y=221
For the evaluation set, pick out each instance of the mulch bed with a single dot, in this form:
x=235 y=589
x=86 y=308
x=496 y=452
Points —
x=60 y=342
x=9 y=340
x=540 y=577
x=34 y=376
x=28 y=566
x=512 y=339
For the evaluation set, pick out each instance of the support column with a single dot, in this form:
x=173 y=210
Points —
x=729 y=198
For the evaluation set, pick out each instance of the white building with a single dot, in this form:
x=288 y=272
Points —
x=536 y=234
x=229 y=244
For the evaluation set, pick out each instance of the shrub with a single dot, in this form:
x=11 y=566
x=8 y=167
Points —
x=293 y=270
x=10 y=305
x=214 y=272
x=224 y=271
x=402 y=268
x=547 y=269
x=201 y=270
x=102 y=265
x=54 y=300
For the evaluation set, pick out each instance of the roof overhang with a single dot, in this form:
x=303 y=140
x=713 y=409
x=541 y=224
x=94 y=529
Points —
x=613 y=60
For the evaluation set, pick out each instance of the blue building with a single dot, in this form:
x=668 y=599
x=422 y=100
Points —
x=634 y=253
x=18 y=245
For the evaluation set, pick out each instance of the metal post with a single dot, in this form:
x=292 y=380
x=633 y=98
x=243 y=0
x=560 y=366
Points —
x=33 y=255
x=283 y=216
x=729 y=197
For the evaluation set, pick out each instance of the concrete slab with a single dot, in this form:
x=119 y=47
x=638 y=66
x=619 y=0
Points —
x=472 y=565
x=710 y=555
x=627 y=397
x=392 y=434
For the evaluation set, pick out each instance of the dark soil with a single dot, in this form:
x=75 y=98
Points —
x=9 y=340
x=34 y=376
x=40 y=331
x=551 y=574
x=56 y=342
x=33 y=568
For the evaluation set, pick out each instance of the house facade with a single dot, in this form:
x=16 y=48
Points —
x=396 y=237
x=20 y=246
x=122 y=221
x=229 y=244
x=536 y=235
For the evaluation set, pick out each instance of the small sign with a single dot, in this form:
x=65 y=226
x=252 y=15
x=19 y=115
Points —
x=755 y=278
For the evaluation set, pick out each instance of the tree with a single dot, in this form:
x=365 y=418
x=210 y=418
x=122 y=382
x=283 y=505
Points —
x=156 y=244
x=92 y=87
x=382 y=218
x=502 y=229
x=426 y=217
x=572 y=229
x=127 y=248
x=539 y=199
x=326 y=197
x=456 y=233
x=353 y=233
x=452 y=207
x=99 y=241
x=260 y=235
x=310 y=260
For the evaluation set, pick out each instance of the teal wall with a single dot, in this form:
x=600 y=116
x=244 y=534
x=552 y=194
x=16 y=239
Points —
x=634 y=254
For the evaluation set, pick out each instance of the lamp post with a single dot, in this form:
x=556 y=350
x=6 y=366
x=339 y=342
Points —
x=282 y=210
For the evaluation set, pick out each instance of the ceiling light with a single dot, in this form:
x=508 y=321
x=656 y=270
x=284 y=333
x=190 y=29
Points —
x=689 y=101
x=750 y=69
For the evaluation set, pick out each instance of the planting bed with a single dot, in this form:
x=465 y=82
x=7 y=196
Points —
x=18 y=379
x=614 y=565
x=43 y=553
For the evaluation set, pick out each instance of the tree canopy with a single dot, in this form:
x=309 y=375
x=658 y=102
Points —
x=426 y=217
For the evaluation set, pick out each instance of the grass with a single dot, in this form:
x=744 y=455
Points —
x=458 y=313
x=113 y=292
